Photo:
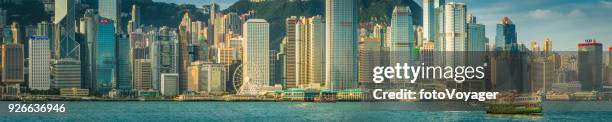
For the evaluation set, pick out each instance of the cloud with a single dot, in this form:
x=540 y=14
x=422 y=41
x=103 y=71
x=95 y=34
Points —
x=542 y=14
x=576 y=13
x=550 y=14
x=606 y=3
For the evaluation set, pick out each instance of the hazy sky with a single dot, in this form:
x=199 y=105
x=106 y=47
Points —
x=566 y=22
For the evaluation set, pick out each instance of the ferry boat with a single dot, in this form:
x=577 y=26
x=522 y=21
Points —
x=512 y=103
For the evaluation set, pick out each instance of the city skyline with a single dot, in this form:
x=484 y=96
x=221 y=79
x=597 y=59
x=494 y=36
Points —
x=563 y=21
x=305 y=60
x=241 y=42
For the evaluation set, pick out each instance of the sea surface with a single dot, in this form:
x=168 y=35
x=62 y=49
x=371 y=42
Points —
x=298 y=111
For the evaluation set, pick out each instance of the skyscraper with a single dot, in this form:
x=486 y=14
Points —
x=88 y=49
x=139 y=46
x=433 y=11
x=401 y=40
x=218 y=29
x=256 y=59
x=136 y=18
x=370 y=56
x=455 y=34
x=142 y=75
x=304 y=49
x=111 y=9
x=291 y=73
x=164 y=54
x=66 y=45
x=211 y=26
x=316 y=53
x=548 y=51
x=590 y=65
x=476 y=35
x=105 y=56
x=341 y=54
x=476 y=41
x=609 y=83
x=124 y=64
x=39 y=68
x=506 y=34
x=16 y=33
x=45 y=29
x=12 y=67
x=232 y=23
x=184 y=39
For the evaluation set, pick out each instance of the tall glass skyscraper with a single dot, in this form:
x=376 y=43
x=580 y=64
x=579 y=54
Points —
x=111 y=9
x=124 y=66
x=476 y=35
x=67 y=46
x=432 y=16
x=476 y=41
x=341 y=54
x=455 y=34
x=87 y=61
x=105 y=56
x=400 y=44
x=506 y=34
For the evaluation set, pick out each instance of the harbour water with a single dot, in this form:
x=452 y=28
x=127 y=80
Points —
x=294 y=111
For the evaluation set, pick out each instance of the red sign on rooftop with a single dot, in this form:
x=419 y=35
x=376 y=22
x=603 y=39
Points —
x=589 y=42
x=104 y=21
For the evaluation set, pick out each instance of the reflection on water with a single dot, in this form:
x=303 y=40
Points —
x=516 y=117
x=300 y=111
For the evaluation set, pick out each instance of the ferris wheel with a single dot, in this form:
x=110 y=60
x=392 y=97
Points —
x=237 y=78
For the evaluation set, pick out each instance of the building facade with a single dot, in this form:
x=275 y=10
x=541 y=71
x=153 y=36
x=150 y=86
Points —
x=67 y=74
x=256 y=59
x=506 y=34
x=184 y=39
x=105 y=61
x=111 y=9
x=12 y=68
x=455 y=34
x=433 y=11
x=39 y=63
x=341 y=54
x=124 y=64
x=142 y=78
x=169 y=84
x=590 y=64
x=164 y=54
x=65 y=44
